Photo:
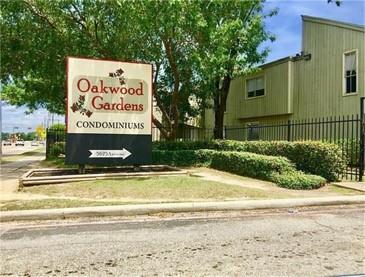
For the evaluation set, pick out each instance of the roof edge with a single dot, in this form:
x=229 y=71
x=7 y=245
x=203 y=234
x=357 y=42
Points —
x=276 y=62
x=336 y=23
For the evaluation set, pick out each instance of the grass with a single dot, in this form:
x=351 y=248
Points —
x=182 y=188
x=142 y=190
x=56 y=162
x=52 y=203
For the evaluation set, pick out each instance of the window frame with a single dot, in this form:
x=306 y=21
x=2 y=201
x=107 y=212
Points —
x=343 y=73
x=246 y=87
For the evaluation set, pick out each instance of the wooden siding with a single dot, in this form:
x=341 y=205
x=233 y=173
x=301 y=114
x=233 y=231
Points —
x=276 y=101
x=318 y=83
x=302 y=89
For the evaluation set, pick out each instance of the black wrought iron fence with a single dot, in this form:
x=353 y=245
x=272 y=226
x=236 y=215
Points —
x=345 y=131
x=55 y=142
x=342 y=130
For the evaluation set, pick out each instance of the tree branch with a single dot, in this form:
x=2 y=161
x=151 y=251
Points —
x=159 y=125
x=81 y=20
x=175 y=94
x=37 y=12
x=158 y=99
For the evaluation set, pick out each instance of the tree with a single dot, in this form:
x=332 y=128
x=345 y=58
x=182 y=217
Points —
x=58 y=126
x=41 y=132
x=39 y=34
x=196 y=48
x=337 y=2
x=229 y=42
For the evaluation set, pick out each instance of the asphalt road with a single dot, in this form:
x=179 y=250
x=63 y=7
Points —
x=288 y=243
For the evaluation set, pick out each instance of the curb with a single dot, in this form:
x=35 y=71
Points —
x=145 y=209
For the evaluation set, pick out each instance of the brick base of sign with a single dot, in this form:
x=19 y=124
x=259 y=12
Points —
x=108 y=149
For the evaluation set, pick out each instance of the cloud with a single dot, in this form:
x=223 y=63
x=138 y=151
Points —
x=16 y=117
x=287 y=25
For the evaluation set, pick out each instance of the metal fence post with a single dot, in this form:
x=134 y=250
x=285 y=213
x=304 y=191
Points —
x=47 y=143
x=289 y=130
x=362 y=138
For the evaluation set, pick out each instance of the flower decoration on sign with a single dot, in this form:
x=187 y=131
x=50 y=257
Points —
x=79 y=106
x=118 y=74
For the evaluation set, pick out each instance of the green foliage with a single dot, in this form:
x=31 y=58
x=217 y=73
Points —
x=183 y=157
x=323 y=159
x=5 y=136
x=250 y=164
x=352 y=148
x=57 y=149
x=275 y=169
x=182 y=145
x=58 y=127
x=192 y=45
x=298 y=180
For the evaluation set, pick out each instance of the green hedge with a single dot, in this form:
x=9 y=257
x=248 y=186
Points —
x=183 y=157
x=298 y=180
x=313 y=157
x=276 y=169
x=352 y=148
x=57 y=149
x=250 y=164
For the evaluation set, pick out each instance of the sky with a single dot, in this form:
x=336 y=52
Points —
x=286 y=26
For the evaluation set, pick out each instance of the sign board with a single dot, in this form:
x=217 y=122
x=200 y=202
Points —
x=109 y=112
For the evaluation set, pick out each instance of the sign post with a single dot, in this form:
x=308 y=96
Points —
x=109 y=112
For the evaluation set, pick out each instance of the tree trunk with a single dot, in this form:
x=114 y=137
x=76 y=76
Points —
x=220 y=101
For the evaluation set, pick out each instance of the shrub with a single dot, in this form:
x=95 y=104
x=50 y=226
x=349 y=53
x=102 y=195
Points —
x=57 y=149
x=182 y=145
x=250 y=164
x=313 y=157
x=298 y=180
x=352 y=148
x=183 y=157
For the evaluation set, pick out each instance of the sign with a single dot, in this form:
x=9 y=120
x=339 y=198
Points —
x=109 y=112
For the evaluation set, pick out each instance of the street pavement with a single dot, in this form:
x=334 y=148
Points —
x=12 y=171
x=296 y=242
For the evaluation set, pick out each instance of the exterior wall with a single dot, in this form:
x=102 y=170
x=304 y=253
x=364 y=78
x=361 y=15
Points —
x=277 y=101
x=318 y=83
x=278 y=96
x=302 y=89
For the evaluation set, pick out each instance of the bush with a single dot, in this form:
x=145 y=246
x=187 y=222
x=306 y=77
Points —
x=298 y=180
x=57 y=149
x=250 y=164
x=183 y=157
x=352 y=148
x=313 y=157
x=182 y=145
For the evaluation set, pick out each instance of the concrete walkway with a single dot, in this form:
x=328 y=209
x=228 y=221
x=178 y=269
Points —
x=12 y=171
x=360 y=186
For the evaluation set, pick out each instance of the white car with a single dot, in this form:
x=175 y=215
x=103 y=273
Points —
x=7 y=143
x=19 y=143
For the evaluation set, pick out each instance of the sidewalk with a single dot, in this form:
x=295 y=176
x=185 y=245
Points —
x=359 y=186
x=146 y=209
x=10 y=172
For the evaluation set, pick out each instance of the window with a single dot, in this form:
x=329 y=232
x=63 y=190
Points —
x=350 y=72
x=255 y=87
